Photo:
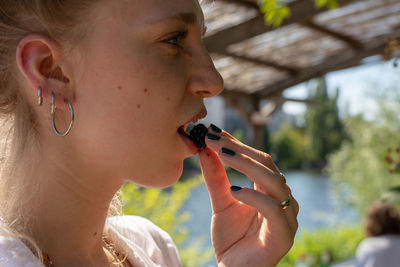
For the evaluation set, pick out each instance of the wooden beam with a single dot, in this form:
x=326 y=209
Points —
x=227 y=93
x=237 y=104
x=243 y=3
x=262 y=62
x=335 y=62
x=280 y=99
x=304 y=101
x=337 y=35
x=302 y=10
x=258 y=136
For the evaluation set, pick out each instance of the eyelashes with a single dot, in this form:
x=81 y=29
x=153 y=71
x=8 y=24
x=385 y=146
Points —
x=177 y=39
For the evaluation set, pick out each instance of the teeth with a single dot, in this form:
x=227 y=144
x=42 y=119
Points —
x=189 y=127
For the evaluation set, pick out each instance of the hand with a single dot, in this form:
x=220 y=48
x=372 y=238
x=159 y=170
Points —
x=249 y=227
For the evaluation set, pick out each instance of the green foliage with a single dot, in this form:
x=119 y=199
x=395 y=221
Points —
x=288 y=147
x=341 y=243
x=331 y=4
x=275 y=11
x=360 y=163
x=164 y=209
x=239 y=135
x=393 y=159
x=324 y=128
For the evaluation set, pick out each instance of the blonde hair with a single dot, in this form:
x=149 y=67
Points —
x=57 y=20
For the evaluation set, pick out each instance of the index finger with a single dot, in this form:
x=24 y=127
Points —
x=216 y=180
x=258 y=155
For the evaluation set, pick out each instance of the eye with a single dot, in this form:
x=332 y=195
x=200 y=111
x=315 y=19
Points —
x=176 y=39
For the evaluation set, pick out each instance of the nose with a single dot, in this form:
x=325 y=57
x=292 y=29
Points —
x=205 y=80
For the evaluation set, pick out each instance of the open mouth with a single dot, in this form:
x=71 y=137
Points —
x=182 y=130
x=187 y=140
x=186 y=128
x=196 y=135
x=192 y=140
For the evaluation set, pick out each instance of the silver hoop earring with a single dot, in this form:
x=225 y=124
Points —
x=53 y=112
x=40 y=96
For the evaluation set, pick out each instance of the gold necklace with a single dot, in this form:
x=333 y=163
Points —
x=110 y=248
x=46 y=260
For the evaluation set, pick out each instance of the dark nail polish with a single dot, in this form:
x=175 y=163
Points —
x=215 y=128
x=228 y=151
x=235 y=188
x=213 y=136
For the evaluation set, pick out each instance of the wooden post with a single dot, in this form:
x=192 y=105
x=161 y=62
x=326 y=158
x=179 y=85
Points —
x=258 y=136
x=258 y=129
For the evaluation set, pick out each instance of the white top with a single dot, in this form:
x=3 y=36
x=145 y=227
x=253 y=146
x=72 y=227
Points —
x=147 y=245
x=379 y=251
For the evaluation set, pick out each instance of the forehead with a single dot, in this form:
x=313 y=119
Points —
x=152 y=11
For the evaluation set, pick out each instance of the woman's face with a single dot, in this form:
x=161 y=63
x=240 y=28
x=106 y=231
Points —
x=143 y=73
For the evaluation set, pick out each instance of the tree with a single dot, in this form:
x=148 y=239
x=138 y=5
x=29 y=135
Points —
x=288 y=147
x=324 y=128
x=360 y=168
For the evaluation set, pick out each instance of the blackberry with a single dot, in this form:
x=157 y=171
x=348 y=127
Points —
x=198 y=135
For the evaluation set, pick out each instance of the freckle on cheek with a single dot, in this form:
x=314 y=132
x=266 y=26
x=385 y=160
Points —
x=119 y=87
x=139 y=106
x=168 y=98
x=146 y=90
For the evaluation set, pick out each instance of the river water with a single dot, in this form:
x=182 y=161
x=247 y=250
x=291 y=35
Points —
x=319 y=207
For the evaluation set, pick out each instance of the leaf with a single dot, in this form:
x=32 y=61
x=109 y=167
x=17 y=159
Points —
x=276 y=11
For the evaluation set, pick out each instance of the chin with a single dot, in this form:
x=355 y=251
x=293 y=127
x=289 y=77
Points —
x=163 y=178
x=172 y=177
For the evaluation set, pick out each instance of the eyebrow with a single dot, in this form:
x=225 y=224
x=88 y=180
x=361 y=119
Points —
x=189 y=18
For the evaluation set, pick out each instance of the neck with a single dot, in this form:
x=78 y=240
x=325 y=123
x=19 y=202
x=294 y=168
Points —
x=67 y=207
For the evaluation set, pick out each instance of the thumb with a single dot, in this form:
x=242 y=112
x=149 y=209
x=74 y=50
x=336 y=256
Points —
x=216 y=180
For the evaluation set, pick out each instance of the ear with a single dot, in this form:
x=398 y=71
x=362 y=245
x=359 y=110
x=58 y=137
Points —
x=39 y=60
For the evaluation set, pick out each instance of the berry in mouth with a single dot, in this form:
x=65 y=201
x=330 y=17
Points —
x=198 y=135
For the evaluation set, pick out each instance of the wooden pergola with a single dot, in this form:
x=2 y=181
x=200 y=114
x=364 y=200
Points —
x=259 y=62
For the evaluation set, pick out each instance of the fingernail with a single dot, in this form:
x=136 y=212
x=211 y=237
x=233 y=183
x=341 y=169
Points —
x=215 y=128
x=235 y=188
x=213 y=136
x=228 y=151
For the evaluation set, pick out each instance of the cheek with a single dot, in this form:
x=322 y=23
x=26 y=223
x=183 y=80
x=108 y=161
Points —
x=132 y=129
x=124 y=106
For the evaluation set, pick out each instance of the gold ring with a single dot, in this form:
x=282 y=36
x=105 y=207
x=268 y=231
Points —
x=286 y=203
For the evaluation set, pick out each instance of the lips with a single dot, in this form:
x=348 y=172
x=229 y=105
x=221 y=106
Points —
x=185 y=136
x=181 y=130
x=189 y=143
x=200 y=115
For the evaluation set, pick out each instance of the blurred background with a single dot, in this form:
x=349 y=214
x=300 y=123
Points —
x=314 y=83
